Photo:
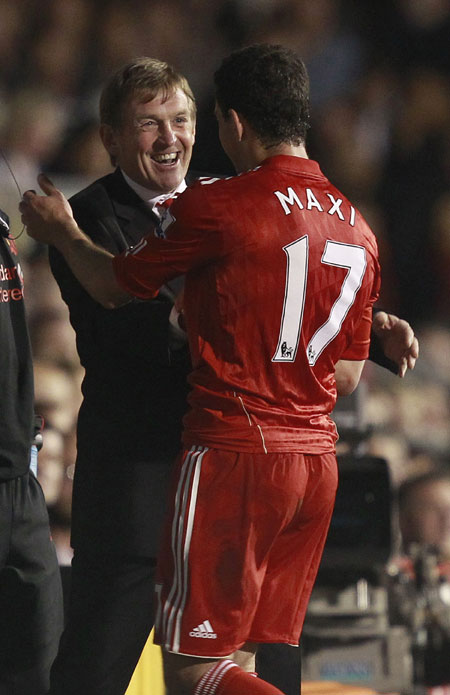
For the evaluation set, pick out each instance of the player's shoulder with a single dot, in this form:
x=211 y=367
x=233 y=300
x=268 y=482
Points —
x=205 y=182
x=358 y=227
x=196 y=194
x=221 y=185
x=366 y=233
x=202 y=203
x=206 y=197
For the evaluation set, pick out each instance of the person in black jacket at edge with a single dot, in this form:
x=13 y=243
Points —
x=136 y=362
x=31 y=607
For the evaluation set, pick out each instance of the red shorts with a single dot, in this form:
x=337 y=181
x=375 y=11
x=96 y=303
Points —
x=241 y=548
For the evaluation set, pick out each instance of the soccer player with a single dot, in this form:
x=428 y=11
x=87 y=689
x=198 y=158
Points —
x=281 y=275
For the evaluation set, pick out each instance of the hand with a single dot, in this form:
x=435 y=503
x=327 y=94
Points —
x=48 y=218
x=179 y=307
x=397 y=340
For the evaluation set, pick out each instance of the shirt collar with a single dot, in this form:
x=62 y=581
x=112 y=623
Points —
x=293 y=164
x=152 y=198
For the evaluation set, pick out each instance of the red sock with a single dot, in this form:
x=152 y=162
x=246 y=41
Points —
x=227 y=678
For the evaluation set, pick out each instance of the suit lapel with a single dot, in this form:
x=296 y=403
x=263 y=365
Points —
x=134 y=218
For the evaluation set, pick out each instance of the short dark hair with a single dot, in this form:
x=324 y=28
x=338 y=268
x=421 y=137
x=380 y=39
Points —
x=143 y=76
x=269 y=86
x=411 y=485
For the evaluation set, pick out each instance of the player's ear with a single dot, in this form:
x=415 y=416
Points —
x=239 y=124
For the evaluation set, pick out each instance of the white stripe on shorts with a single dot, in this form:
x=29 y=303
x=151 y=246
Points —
x=182 y=526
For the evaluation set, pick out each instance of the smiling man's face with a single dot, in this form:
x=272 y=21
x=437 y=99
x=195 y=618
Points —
x=154 y=145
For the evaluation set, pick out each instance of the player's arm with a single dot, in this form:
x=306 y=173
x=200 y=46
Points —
x=349 y=368
x=347 y=375
x=189 y=236
x=49 y=220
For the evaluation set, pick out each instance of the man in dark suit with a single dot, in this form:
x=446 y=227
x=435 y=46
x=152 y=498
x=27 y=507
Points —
x=135 y=388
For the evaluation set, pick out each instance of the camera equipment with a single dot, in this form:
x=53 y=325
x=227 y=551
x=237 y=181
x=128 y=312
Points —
x=348 y=636
x=376 y=618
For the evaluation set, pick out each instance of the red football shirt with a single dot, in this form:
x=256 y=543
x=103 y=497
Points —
x=281 y=274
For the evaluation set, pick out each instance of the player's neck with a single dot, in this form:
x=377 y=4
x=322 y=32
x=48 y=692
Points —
x=286 y=149
x=256 y=154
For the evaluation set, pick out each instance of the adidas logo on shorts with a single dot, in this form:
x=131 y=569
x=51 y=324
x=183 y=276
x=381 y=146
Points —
x=204 y=630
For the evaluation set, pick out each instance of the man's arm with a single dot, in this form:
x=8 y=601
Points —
x=399 y=345
x=49 y=220
x=347 y=375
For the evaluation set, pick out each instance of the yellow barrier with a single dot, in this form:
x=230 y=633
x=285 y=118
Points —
x=148 y=676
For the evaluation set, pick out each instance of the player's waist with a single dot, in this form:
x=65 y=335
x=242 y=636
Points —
x=240 y=434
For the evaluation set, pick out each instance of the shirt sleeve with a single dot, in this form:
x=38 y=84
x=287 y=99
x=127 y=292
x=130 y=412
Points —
x=360 y=344
x=187 y=237
x=359 y=347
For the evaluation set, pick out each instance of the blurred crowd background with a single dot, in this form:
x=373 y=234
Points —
x=380 y=104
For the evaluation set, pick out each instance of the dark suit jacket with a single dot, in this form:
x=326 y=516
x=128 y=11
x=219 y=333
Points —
x=134 y=390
